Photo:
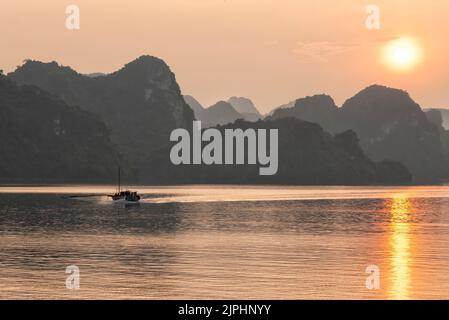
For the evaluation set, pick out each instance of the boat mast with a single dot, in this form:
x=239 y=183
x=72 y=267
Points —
x=118 y=179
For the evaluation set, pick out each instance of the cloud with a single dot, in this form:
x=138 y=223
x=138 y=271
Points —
x=322 y=51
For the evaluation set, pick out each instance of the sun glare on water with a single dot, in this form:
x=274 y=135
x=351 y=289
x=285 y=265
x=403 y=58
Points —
x=402 y=54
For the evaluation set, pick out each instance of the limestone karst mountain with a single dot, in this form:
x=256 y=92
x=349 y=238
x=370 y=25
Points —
x=140 y=103
x=307 y=155
x=219 y=114
x=246 y=108
x=444 y=116
x=319 y=109
x=389 y=124
x=44 y=140
x=290 y=104
x=194 y=105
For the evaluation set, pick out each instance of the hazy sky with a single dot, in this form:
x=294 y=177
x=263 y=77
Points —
x=271 y=51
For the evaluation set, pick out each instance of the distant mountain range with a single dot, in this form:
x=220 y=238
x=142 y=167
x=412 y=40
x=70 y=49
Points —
x=283 y=106
x=308 y=155
x=388 y=122
x=224 y=112
x=319 y=109
x=129 y=115
x=218 y=114
x=246 y=108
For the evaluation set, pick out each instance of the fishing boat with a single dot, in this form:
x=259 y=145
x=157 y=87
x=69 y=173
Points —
x=126 y=196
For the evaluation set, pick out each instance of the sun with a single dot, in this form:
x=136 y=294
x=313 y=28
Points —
x=402 y=54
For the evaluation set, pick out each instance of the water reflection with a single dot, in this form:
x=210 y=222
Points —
x=400 y=243
x=234 y=249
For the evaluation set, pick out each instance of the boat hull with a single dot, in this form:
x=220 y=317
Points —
x=124 y=201
x=125 y=197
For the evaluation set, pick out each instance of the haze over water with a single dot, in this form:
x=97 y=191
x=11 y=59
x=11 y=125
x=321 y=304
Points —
x=219 y=242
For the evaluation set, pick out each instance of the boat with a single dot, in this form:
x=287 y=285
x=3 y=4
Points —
x=126 y=196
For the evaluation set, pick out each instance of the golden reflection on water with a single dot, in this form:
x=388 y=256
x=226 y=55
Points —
x=400 y=242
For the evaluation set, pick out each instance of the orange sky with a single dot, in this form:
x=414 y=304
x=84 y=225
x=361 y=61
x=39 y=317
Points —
x=271 y=51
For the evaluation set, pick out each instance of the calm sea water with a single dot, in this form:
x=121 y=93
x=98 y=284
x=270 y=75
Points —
x=220 y=242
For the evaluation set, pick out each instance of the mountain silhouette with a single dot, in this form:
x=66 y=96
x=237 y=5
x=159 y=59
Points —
x=444 y=116
x=44 y=140
x=218 y=114
x=246 y=108
x=307 y=155
x=435 y=116
x=389 y=124
x=194 y=105
x=290 y=104
x=319 y=109
x=140 y=103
